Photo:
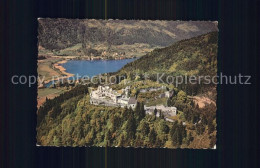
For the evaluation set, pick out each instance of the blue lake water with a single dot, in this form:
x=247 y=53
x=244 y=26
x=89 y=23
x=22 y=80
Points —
x=92 y=68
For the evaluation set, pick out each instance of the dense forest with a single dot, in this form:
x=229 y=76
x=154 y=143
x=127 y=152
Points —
x=72 y=121
x=195 y=56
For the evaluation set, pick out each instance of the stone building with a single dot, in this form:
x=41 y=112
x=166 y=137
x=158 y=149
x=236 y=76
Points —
x=132 y=102
x=166 y=111
x=104 y=95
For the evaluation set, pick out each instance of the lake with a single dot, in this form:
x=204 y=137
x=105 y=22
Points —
x=92 y=68
x=96 y=67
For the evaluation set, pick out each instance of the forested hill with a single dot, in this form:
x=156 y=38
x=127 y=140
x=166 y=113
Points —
x=195 y=56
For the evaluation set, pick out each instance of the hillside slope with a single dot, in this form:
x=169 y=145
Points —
x=195 y=56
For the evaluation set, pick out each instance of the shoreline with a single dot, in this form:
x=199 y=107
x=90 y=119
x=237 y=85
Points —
x=88 y=58
x=57 y=66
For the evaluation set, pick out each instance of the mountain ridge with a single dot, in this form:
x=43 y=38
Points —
x=62 y=33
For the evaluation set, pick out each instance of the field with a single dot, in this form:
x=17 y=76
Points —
x=46 y=70
x=50 y=93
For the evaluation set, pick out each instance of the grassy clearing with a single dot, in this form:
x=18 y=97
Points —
x=47 y=91
x=45 y=68
x=154 y=102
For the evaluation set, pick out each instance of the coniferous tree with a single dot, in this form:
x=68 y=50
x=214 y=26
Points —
x=121 y=140
x=163 y=127
x=108 y=137
x=125 y=113
x=169 y=102
x=145 y=129
x=177 y=133
x=131 y=127
x=152 y=136
x=189 y=138
x=142 y=111
x=138 y=108
x=155 y=112
x=182 y=133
